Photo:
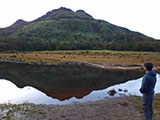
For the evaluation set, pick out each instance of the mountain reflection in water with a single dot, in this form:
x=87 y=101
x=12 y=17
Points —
x=63 y=82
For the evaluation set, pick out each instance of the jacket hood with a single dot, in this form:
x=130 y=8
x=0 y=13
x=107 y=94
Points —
x=152 y=73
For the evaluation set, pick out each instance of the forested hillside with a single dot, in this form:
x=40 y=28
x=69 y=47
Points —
x=64 y=29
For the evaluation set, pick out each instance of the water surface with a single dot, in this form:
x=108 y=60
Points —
x=58 y=84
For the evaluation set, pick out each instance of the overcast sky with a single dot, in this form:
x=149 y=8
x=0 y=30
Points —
x=137 y=15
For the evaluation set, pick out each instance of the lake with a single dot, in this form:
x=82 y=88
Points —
x=62 y=84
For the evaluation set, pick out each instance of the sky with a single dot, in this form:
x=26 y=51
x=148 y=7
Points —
x=137 y=15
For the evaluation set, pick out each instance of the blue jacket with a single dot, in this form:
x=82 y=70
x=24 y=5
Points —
x=148 y=83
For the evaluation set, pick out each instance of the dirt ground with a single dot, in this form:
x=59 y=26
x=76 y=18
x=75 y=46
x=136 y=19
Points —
x=121 y=108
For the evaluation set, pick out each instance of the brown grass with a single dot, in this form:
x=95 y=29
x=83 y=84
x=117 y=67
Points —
x=112 y=59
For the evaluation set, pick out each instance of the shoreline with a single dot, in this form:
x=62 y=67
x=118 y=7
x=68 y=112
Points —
x=119 y=108
x=94 y=58
x=106 y=66
x=73 y=111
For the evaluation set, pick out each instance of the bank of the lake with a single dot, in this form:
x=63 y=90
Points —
x=121 y=108
x=100 y=57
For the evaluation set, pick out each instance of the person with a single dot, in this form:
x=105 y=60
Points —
x=147 y=89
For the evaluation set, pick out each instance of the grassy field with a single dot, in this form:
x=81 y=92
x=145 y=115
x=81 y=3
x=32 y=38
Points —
x=103 y=57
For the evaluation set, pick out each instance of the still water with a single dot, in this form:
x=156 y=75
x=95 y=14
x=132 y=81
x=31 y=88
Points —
x=62 y=84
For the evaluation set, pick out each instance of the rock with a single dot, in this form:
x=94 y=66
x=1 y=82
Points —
x=123 y=104
x=112 y=92
x=4 y=113
x=125 y=90
x=120 y=90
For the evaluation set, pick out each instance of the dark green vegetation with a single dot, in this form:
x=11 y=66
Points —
x=63 y=29
x=62 y=81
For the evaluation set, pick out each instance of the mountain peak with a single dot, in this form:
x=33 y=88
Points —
x=64 y=13
x=64 y=9
x=82 y=12
x=18 y=23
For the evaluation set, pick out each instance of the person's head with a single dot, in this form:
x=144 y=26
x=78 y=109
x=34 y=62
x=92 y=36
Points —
x=148 y=66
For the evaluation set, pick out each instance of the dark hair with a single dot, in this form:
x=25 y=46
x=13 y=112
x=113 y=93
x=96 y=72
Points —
x=148 y=66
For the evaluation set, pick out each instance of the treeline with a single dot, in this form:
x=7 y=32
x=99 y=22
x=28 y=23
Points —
x=7 y=44
x=73 y=34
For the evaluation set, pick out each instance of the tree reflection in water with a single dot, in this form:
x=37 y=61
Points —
x=62 y=81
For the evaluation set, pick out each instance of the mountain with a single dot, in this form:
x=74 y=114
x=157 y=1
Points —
x=65 y=29
x=65 y=22
x=13 y=28
x=57 y=14
x=64 y=13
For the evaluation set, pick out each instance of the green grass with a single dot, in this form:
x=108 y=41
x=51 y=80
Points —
x=90 y=52
x=157 y=105
x=96 y=52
